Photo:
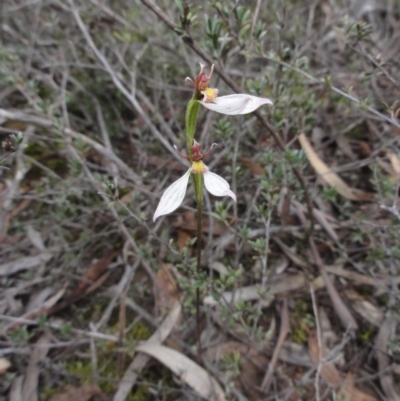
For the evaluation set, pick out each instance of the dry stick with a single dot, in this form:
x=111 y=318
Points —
x=94 y=359
x=341 y=309
x=345 y=316
x=284 y=330
x=319 y=339
x=198 y=270
x=121 y=332
x=58 y=326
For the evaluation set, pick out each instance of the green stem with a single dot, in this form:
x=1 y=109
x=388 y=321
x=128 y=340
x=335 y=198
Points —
x=192 y=111
x=198 y=270
x=198 y=190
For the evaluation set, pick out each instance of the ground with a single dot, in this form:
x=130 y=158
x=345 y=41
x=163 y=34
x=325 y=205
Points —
x=297 y=293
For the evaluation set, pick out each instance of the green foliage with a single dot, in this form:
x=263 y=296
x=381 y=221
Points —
x=21 y=336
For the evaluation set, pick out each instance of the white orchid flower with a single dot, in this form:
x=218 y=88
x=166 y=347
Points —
x=174 y=194
x=239 y=103
x=234 y=104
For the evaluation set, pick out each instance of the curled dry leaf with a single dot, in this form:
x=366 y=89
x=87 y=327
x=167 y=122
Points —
x=167 y=289
x=349 y=393
x=327 y=370
x=183 y=238
x=188 y=371
x=330 y=177
x=141 y=360
x=295 y=354
x=279 y=285
x=386 y=333
x=254 y=167
x=366 y=309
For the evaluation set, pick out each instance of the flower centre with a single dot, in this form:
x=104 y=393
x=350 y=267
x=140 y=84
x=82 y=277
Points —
x=209 y=95
x=198 y=167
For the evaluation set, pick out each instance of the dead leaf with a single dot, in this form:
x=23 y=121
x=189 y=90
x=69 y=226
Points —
x=38 y=355
x=94 y=271
x=218 y=267
x=347 y=319
x=87 y=284
x=44 y=308
x=278 y=285
x=387 y=167
x=36 y=238
x=26 y=263
x=16 y=389
x=365 y=149
x=348 y=392
x=187 y=370
x=327 y=370
x=295 y=354
x=140 y=361
x=167 y=289
x=83 y=392
x=4 y=365
x=292 y=255
x=98 y=283
x=127 y=198
x=386 y=333
x=254 y=168
x=217 y=352
x=366 y=309
x=330 y=177
x=322 y=219
x=187 y=221
x=339 y=270
x=183 y=238
x=395 y=161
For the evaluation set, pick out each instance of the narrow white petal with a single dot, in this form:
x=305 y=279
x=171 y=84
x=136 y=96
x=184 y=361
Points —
x=230 y=105
x=236 y=104
x=254 y=103
x=173 y=196
x=217 y=186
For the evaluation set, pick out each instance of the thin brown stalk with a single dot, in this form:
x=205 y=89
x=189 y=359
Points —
x=198 y=271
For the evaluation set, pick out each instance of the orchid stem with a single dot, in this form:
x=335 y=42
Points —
x=198 y=190
x=192 y=111
x=198 y=271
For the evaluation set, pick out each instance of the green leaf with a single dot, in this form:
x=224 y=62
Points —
x=192 y=111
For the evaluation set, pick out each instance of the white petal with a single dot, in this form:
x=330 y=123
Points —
x=236 y=104
x=173 y=196
x=217 y=186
